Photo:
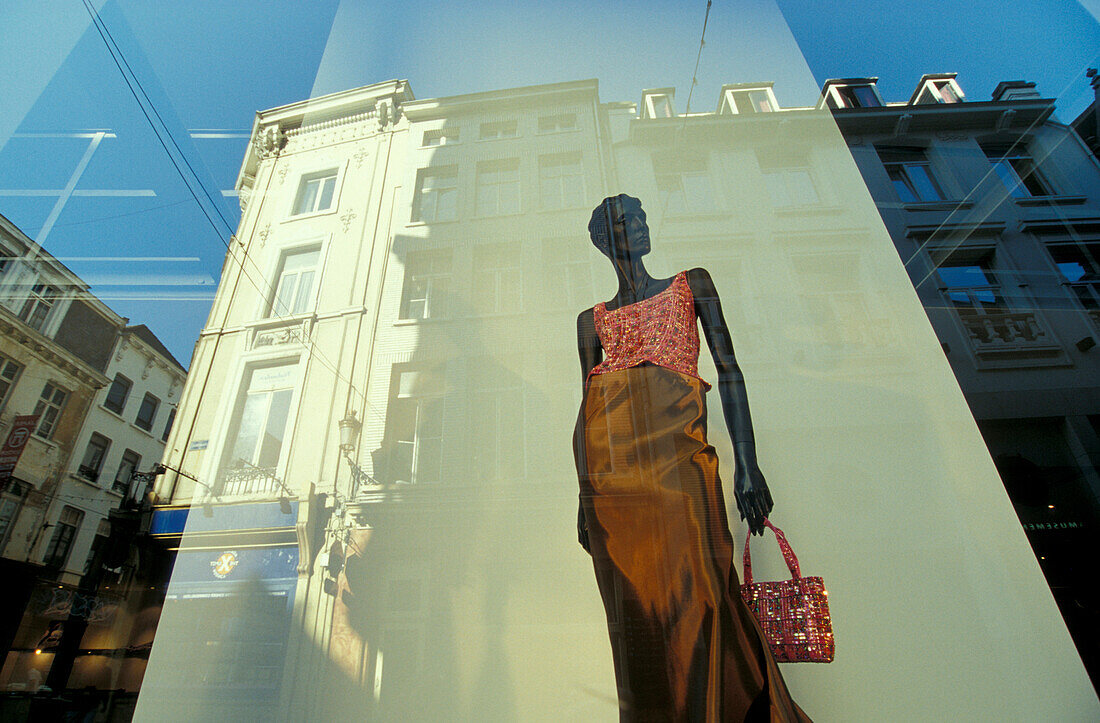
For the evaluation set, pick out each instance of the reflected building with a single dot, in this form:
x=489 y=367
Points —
x=87 y=402
x=370 y=404
x=994 y=206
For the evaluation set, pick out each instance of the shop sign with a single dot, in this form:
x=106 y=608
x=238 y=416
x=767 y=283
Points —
x=1052 y=525
x=96 y=609
x=224 y=564
x=12 y=450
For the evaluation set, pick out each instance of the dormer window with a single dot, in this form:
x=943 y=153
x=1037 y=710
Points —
x=742 y=100
x=658 y=103
x=852 y=93
x=859 y=96
x=938 y=89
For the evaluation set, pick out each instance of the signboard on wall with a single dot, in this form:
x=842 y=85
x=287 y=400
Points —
x=21 y=430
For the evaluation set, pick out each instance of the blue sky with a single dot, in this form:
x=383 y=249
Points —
x=134 y=230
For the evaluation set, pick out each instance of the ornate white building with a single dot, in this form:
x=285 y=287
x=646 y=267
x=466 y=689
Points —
x=371 y=487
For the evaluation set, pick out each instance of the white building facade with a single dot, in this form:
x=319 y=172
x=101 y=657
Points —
x=370 y=479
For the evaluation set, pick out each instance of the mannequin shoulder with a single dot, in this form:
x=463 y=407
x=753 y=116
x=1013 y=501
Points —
x=586 y=323
x=700 y=282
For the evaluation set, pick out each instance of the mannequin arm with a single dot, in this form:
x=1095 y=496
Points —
x=591 y=354
x=754 y=500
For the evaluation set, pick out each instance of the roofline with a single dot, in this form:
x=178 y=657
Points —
x=35 y=250
x=424 y=107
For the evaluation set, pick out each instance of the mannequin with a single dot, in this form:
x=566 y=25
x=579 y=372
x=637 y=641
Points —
x=651 y=513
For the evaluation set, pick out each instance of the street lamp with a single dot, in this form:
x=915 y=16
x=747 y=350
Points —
x=349 y=431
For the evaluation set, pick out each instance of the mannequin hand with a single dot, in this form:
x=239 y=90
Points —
x=582 y=530
x=754 y=499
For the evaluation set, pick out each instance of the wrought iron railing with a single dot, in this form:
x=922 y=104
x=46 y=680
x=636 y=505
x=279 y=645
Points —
x=249 y=481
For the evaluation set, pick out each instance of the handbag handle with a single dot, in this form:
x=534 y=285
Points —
x=784 y=546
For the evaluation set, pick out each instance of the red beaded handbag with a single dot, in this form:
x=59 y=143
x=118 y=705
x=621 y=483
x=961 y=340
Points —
x=794 y=614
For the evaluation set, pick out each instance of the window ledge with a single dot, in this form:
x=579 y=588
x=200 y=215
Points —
x=936 y=205
x=418 y=322
x=143 y=431
x=438 y=146
x=417 y=224
x=490 y=217
x=113 y=413
x=292 y=320
x=1051 y=201
x=807 y=210
x=502 y=138
x=558 y=132
x=563 y=209
x=314 y=214
x=697 y=216
x=85 y=480
x=45 y=440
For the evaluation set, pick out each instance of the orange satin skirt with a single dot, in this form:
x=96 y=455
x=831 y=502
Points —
x=685 y=646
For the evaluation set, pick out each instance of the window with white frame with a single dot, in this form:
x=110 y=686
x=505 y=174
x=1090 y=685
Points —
x=567 y=274
x=1078 y=263
x=9 y=374
x=49 y=408
x=788 y=177
x=1016 y=168
x=862 y=95
x=436 y=196
x=258 y=429
x=440 y=137
x=498 y=129
x=94 y=454
x=414 y=421
x=910 y=173
x=427 y=284
x=498 y=285
x=131 y=460
x=659 y=105
x=757 y=100
x=496 y=409
x=939 y=91
x=64 y=533
x=684 y=185
x=969 y=281
x=561 y=181
x=36 y=308
x=295 y=286
x=117 y=394
x=316 y=192
x=147 y=412
x=558 y=123
x=498 y=187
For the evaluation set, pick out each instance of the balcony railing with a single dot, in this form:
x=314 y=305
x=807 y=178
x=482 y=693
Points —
x=89 y=473
x=249 y=481
x=992 y=326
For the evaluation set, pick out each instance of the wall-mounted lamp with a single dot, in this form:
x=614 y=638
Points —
x=349 y=432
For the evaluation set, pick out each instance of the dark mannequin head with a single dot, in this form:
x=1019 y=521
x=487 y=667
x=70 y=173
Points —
x=618 y=228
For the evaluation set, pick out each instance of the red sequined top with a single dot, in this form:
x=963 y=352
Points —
x=660 y=330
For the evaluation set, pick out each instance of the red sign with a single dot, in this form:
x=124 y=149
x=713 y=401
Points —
x=20 y=432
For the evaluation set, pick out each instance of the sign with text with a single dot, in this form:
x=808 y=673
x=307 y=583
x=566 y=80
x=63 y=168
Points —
x=21 y=429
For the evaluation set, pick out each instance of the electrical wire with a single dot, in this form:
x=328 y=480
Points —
x=312 y=350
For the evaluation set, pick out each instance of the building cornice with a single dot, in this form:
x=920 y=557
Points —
x=427 y=109
x=12 y=327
